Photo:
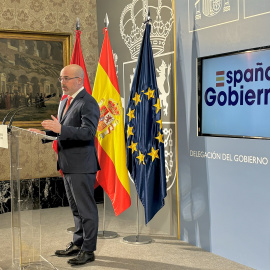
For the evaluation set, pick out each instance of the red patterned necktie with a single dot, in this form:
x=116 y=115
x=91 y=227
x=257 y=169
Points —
x=67 y=105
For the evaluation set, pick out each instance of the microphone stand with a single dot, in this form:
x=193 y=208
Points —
x=5 y=118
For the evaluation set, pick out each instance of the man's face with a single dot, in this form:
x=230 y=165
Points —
x=70 y=83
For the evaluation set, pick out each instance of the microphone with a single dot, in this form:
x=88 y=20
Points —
x=5 y=118
x=50 y=96
x=19 y=109
x=34 y=103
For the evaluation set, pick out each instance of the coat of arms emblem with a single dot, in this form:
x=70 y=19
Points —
x=107 y=120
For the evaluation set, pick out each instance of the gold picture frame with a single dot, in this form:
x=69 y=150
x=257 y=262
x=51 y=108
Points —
x=30 y=63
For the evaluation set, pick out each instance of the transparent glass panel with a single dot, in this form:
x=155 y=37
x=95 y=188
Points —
x=25 y=200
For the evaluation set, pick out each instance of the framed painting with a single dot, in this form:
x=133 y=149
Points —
x=30 y=63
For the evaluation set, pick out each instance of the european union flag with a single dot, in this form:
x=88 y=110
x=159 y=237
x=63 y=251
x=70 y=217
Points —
x=143 y=128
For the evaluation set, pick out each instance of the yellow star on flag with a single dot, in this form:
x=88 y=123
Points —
x=160 y=137
x=160 y=122
x=157 y=105
x=130 y=114
x=137 y=98
x=153 y=154
x=140 y=157
x=150 y=93
x=129 y=131
x=133 y=146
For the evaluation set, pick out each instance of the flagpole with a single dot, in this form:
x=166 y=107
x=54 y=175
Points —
x=137 y=239
x=138 y=221
x=105 y=234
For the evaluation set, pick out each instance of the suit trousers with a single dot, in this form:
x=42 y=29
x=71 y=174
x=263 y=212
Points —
x=80 y=194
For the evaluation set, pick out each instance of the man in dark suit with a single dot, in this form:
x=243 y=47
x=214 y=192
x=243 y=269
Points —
x=77 y=158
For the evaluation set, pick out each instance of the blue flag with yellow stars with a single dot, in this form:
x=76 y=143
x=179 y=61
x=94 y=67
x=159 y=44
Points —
x=143 y=128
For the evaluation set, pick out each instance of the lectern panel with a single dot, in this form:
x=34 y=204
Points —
x=25 y=196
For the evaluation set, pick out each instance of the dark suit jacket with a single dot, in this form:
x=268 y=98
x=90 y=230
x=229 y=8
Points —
x=76 y=143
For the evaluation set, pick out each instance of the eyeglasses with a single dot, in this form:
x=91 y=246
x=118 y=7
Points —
x=66 y=79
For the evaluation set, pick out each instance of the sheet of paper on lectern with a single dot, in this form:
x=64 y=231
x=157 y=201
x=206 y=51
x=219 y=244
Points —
x=3 y=136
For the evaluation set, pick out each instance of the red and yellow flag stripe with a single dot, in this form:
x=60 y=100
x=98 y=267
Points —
x=110 y=138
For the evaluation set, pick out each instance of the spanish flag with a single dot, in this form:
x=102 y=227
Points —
x=77 y=58
x=110 y=137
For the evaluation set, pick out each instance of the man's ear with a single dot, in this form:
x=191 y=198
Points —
x=81 y=80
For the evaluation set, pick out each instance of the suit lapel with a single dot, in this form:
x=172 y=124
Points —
x=72 y=105
x=62 y=105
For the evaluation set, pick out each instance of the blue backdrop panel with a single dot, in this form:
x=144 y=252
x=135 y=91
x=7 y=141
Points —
x=224 y=182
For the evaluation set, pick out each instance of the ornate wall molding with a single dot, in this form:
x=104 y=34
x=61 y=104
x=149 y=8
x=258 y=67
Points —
x=55 y=16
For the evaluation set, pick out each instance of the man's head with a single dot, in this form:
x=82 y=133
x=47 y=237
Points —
x=71 y=77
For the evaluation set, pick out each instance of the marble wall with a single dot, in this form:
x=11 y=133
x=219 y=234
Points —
x=52 y=194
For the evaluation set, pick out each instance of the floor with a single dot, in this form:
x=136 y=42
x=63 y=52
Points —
x=164 y=252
